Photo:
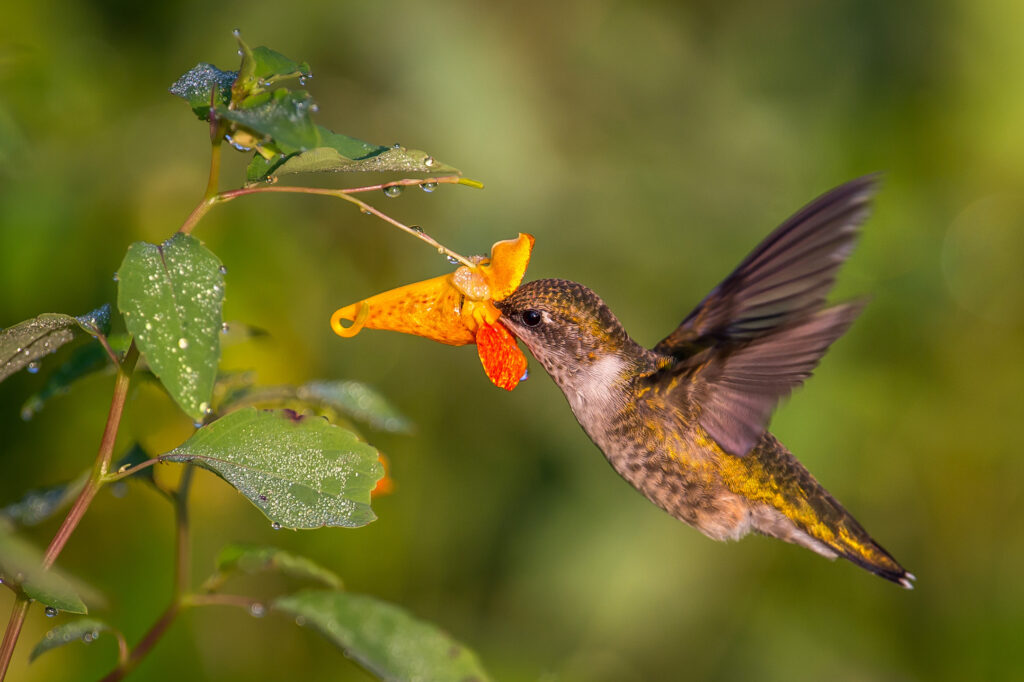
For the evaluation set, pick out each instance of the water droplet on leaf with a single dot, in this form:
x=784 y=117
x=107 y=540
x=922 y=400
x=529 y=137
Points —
x=115 y=277
x=50 y=612
x=33 y=367
x=223 y=270
x=429 y=161
x=428 y=186
x=275 y=525
x=257 y=610
x=183 y=343
x=416 y=228
x=392 y=191
x=314 y=108
x=453 y=260
x=224 y=328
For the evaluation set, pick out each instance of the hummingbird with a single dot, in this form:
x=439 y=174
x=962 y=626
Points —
x=686 y=423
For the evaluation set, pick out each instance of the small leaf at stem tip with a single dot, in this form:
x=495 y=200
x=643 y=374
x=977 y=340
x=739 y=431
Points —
x=500 y=355
x=476 y=184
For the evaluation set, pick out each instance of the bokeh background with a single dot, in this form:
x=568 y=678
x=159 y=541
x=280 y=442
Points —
x=648 y=146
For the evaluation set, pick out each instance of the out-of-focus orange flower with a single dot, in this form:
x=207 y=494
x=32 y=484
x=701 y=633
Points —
x=455 y=309
x=386 y=485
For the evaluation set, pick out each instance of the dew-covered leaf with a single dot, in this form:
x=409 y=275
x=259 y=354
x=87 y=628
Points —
x=383 y=638
x=260 y=559
x=281 y=116
x=84 y=630
x=21 y=564
x=196 y=88
x=26 y=342
x=358 y=401
x=38 y=505
x=301 y=471
x=171 y=296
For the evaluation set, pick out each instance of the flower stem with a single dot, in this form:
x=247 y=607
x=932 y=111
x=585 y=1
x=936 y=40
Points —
x=346 y=195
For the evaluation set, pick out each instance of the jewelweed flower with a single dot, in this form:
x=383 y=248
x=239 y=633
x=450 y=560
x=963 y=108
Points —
x=456 y=309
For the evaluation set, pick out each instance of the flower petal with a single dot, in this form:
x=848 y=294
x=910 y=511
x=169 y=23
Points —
x=503 y=362
x=430 y=308
x=507 y=267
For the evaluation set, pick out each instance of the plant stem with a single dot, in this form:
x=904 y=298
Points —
x=11 y=634
x=82 y=502
x=125 y=473
x=344 y=194
x=129 y=660
x=103 y=457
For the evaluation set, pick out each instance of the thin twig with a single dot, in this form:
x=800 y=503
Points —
x=346 y=195
x=125 y=473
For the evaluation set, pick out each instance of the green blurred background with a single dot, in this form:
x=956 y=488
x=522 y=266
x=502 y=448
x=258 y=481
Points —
x=648 y=147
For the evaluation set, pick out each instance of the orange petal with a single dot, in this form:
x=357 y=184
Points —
x=431 y=308
x=503 y=362
x=386 y=485
x=507 y=267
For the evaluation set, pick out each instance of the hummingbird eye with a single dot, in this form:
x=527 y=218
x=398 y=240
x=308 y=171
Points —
x=531 y=317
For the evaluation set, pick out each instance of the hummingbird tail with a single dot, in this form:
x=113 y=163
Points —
x=804 y=513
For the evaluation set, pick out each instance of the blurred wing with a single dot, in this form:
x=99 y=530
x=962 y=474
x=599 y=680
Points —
x=788 y=275
x=738 y=390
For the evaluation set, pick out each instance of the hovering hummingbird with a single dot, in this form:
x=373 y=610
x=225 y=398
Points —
x=686 y=423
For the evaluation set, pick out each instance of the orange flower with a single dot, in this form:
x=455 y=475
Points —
x=386 y=485
x=455 y=309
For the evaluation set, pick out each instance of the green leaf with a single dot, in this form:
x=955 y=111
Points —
x=301 y=471
x=282 y=116
x=253 y=559
x=383 y=638
x=358 y=401
x=340 y=153
x=26 y=342
x=36 y=506
x=171 y=296
x=80 y=630
x=400 y=160
x=196 y=88
x=21 y=565
x=261 y=67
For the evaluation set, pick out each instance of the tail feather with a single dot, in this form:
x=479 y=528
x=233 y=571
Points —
x=820 y=522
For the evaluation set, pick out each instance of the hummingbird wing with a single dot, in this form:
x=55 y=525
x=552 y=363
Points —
x=787 y=276
x=738 y=387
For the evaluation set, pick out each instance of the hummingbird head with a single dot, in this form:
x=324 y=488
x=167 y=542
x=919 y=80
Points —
x=574 y=335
